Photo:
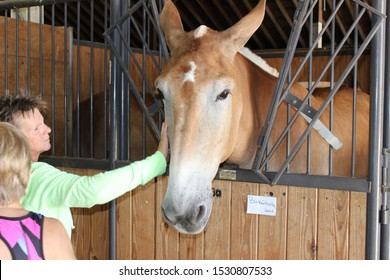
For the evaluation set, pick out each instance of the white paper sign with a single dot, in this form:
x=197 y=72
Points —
x=263 y=205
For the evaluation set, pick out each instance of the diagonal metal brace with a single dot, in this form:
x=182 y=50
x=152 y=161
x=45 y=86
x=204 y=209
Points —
x=308 y=114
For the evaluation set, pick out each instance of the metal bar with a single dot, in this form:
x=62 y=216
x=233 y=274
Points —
x=162 y=44
x=115 y=8
x=53 y=75
x=133 y=86
x=376 y=133
x=331 y=108
x=6 y=50
x=29 y=50
x=300 y=180
x=308 y=145
x=91 y=82
x=355 y=86
x=12 y=4
x=328 y=99
x=67 y=97
x=144 y=80
x=385 y=210
x=76 y=162
x=122 y=92
x=289 y=54
x=106 y=63
x=78 y=84
x=17 y=50
x=106 y=76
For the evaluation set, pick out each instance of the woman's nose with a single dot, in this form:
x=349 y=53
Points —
x=48 y=129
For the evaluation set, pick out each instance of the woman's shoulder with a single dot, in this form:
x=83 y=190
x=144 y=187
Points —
x=56 y=242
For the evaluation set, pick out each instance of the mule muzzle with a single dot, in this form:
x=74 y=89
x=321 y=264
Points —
x=192 y=221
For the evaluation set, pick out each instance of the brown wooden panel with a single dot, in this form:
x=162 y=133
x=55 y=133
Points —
x=23 y=38
x=143 y=222
x=191 y=246
x=244 y=227
x=124 y=225
x=273 y=229
x=333 y=225
x=302 y=224
x=167 y=239
x=90 y=236
x=217 y=236
x=357 y=230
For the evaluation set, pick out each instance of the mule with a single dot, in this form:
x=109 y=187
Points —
x=216 y=101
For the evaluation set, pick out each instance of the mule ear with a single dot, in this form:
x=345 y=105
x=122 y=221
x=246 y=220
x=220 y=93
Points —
x=171 y=25
x=237 y=35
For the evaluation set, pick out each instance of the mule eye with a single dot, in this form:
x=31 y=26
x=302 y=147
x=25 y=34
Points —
x=160 y=94
x=223 y=95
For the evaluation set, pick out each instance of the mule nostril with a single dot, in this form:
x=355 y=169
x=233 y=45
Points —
x=166 y=217
x=201 y=213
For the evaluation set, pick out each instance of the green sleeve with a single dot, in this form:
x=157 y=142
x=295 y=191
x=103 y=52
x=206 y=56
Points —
x=51 y=186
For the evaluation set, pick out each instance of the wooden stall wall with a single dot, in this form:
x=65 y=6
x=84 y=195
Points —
x=24 y=66
x=310 y=223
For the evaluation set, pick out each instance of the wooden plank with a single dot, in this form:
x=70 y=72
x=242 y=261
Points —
x=191 y=246
x=143 y=222
x=217 y=234
x=124 y=223
x=333 y=221
x=22 y=40
x=272 y=229
x=167 y=238
x=244 y=227
x=90 y=236
x=302 y=224
x=357 y=231
x=81 y=76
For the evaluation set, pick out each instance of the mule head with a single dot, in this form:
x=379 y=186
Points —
x=203 y=107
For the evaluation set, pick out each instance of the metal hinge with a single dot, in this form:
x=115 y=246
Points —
x=109 y=72
x=385 y=188
x=385 y=170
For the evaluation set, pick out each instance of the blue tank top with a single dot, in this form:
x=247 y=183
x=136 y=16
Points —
x=23 y=236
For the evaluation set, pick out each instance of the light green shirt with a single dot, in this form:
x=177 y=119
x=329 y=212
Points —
x=53 y=192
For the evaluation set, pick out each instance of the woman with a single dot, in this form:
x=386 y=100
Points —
x=53 y=192
x=24 y=235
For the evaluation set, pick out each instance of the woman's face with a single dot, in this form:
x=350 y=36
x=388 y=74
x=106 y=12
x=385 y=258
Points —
x=37 y=132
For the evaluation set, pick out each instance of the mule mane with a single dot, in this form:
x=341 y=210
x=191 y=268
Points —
x=259 y=61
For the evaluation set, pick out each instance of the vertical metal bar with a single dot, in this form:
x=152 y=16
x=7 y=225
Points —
x=29 y=50
x=355 y=86
x=53 y=80
x=6 y=50
x=331 y=105
x=311 y=21
x=376 y=133
x=91 y=80
x=67 y=98
x=144 y=19
x=41 y=53
x=385 y=227
x=17 y=50
x=69 y=92
x=124 y=132
x=115 y=14
x=105 y=77
x=78 y=137
x=292 y=43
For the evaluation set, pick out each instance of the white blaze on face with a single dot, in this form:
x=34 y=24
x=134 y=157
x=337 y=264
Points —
x=190 y=75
